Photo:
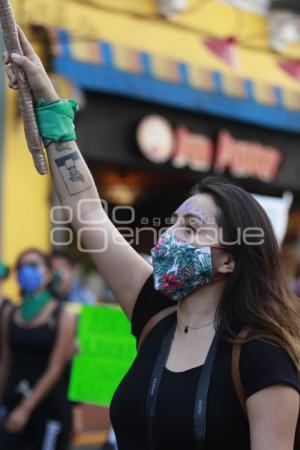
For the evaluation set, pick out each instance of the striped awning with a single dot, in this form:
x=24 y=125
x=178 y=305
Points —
x=107 y=66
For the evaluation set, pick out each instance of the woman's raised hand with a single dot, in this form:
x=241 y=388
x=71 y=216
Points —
x=36 y=75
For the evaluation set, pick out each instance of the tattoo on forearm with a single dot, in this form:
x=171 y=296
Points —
x=71 y=169
x=63 y=146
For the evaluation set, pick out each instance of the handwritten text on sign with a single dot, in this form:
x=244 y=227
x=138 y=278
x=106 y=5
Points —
x=107 y=350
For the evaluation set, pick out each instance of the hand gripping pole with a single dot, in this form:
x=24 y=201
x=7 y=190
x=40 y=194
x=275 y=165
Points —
x=12 y=44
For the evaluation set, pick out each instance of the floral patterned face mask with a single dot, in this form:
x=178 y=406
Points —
x=179 y=267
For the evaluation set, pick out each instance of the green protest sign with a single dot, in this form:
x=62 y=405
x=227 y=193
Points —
x=107 y=350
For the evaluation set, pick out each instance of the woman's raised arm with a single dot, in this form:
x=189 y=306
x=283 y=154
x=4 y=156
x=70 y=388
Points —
x=123 y=269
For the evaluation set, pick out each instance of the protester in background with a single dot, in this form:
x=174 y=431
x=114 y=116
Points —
x=37 y=339
x=65 y=283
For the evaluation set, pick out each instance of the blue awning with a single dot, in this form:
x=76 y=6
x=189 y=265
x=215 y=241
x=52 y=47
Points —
x=103 y=66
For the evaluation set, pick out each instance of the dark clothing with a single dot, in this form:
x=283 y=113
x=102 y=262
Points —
x=262 y=365
x=4 y=303
x=50 y=424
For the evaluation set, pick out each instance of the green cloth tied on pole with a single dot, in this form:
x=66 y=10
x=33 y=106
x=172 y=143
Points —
x=56 y=121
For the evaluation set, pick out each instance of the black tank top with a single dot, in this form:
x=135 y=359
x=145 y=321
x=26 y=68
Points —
x=31 y=349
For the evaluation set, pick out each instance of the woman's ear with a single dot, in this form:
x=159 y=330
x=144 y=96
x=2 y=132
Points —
x=227 y=263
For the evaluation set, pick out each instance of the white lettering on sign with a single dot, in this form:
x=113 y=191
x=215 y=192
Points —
x=246 y=159
x=159 y=143
x=193 y=150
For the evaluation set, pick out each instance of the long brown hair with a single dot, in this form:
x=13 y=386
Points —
x=257 y=294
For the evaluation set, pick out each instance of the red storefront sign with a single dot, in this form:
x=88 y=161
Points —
x=199 y=152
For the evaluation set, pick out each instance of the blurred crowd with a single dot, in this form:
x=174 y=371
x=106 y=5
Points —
x=37 y=344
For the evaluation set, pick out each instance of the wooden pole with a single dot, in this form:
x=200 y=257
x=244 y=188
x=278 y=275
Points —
x=12 y=44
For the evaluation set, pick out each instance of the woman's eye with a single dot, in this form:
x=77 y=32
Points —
x=190 y=229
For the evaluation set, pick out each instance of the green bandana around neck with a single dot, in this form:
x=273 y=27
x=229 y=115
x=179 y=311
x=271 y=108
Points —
x=33 y=304
x=4 y=271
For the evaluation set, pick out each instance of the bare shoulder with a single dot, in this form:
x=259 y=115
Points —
x=68 y=318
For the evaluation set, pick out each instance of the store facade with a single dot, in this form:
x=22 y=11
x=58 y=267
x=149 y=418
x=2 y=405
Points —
x=121 y=130
x=118 y=134
x=234 y=112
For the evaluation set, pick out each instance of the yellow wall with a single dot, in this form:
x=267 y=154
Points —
x=145 y=30
x=25 y=214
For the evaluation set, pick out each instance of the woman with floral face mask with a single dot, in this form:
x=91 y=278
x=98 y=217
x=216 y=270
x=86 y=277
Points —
x=36 y=341
x=219 y=268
